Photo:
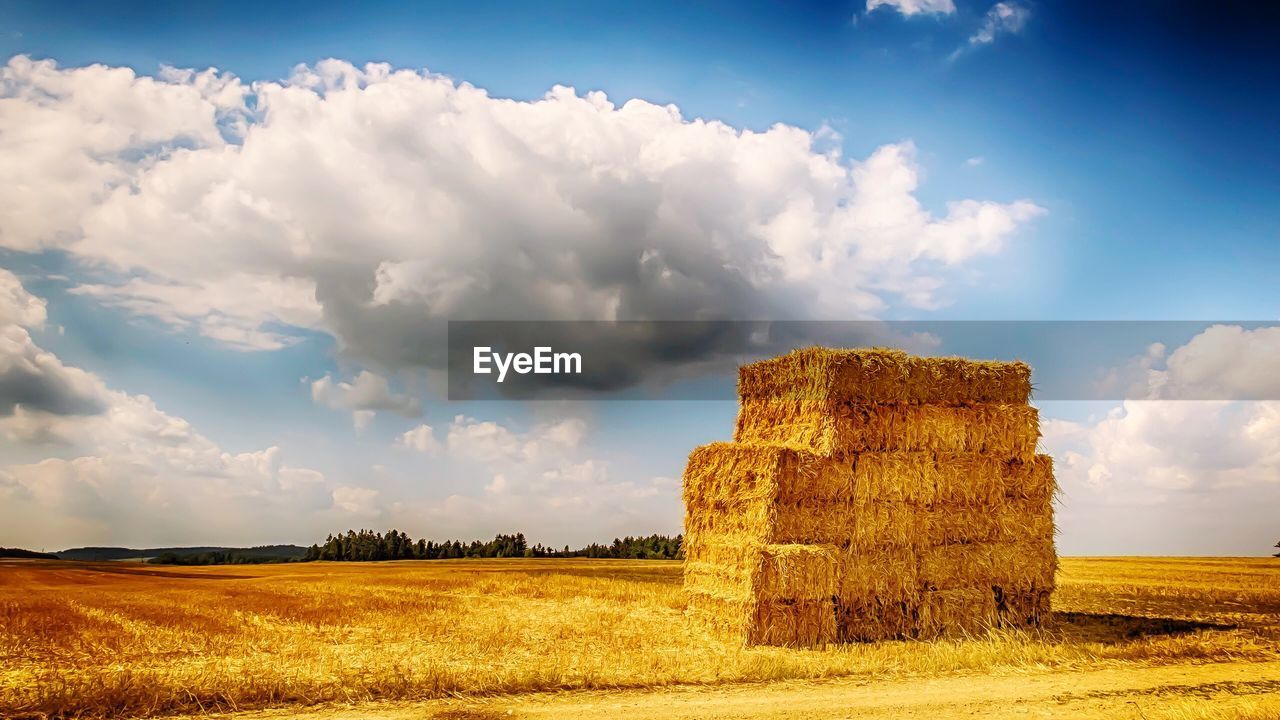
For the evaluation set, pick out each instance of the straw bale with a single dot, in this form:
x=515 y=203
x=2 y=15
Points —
x=871 y=495
x=1011 y=521
x=725 y=473
x=743 y=523
x=799 y=624
x=828 y=523
x=838 y=429
x=882 y=573
x=956 y=567
x=822 y=523
x=798 y=572
x=1022 y=520
x=732 y=619
x=887 y=524
x=717 y=550
x=1024 y=609
x=969 y=479
x=1031 y=480
x=1023 y=565
x=896 y=477
x=772 y=622
x=885 y=376
x=874 y=619
x=771 y=572
x=726 y=582
x=967 y=525
x=959 y=612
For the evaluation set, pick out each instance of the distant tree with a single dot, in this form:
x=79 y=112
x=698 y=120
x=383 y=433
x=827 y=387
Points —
x=1277 y=554
x=367 y=545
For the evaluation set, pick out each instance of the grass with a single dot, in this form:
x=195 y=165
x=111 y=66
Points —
x=122 y=639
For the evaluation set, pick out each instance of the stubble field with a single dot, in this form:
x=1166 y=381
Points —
x=113 y=639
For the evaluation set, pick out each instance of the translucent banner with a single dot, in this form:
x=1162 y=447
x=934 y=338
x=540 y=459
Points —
x=697 y=360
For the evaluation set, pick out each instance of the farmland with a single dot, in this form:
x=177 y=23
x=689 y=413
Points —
x=100 y=639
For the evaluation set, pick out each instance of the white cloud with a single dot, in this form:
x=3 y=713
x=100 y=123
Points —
x=1002 y=18
x=421 y=438
x=585 y=473
x=361 y=501
x=483 y=441
x=373 y=204
x=975 y=161
x=361 y=419
x=498 y=485
x=75 y=135
x=546 y=481
x=125 y=471
x=491 y=442
x=363 y=396
x=1177 y=445
x=915 y=7
x=1222 y=362
x=17 y=306
x=1186 y=428
x=1178 y=475
x=1169 y=477
x=136 y=474
x=31 y=378
x=240 y=311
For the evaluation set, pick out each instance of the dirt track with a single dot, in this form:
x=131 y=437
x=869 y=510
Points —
x=1110 y=693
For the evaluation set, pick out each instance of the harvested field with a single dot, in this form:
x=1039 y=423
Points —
x=114 y=639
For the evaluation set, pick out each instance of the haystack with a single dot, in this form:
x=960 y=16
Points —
x=870 y=494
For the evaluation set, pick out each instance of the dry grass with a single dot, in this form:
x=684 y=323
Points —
x=112 y=639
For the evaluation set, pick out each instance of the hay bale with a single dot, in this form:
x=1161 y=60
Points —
x=722 y=474
x=881 y=574
x=905 y=478
x=1024 y=609
x=872 y=495
x=1031 y=480
x=776 y=594
x=799 y=624
x=958 y=612
x=836 y=429
x=797 y=572
x=814 y=376
x=875 y=619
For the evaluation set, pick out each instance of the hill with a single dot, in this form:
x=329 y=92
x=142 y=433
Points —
x=20 y=553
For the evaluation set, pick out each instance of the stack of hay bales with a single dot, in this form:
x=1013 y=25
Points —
x=870 y=494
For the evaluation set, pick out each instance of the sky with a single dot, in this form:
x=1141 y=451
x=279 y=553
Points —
x=231 y=238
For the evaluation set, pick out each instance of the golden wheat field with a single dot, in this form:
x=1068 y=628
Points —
x=123 y=639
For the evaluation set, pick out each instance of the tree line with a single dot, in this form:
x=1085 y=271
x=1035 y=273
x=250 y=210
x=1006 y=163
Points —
x=217 y=557
x=367 y=545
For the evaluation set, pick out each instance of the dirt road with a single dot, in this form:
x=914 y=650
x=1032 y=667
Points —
x=1228 y=689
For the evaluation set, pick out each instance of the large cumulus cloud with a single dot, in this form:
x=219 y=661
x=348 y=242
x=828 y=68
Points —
x=119 y=469
x=1178 y=474
x=374 y=204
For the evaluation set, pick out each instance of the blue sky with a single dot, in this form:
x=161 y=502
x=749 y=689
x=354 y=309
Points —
x=1142 y=142
x=1139 y=126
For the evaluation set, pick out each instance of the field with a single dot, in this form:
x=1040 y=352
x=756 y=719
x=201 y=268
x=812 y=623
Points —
x=1132 y=637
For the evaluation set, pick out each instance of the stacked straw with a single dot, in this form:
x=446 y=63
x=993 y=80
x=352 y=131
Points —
x=868 y=495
